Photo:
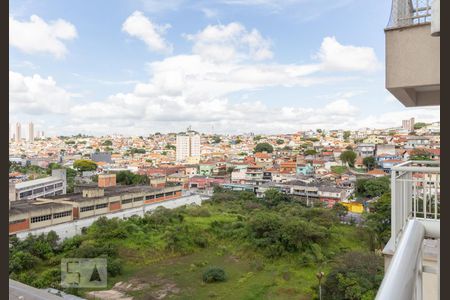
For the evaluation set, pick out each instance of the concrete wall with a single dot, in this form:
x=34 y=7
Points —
x=71 y=229
x=413 y=65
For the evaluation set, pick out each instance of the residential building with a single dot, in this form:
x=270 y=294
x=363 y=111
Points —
x=187 y=145
x=42 y=187
x=18 y=133
x=366 y=150
x=31 y=132
x=408 y=124
x=412 y=255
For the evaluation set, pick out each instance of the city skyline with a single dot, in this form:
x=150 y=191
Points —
x=153 y=67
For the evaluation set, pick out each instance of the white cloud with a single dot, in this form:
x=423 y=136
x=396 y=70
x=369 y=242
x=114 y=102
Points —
x=230 y=42
x=38 y=36
x=36 y=95
x=139 y=26
x=337 y=57
x=209 y=13
x=195 y=89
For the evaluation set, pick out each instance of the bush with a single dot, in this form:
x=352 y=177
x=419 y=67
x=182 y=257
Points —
x=214 y=274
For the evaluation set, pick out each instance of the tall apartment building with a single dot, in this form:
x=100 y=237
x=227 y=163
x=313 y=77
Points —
x=188 y=145
x=18 y=136
x=412 y=255
x=408 y=124
x=31 y=132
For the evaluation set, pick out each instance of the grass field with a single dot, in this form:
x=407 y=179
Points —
x=249 y=275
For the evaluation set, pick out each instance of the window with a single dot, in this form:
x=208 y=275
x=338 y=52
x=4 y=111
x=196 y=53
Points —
x=49 y=188
x=38 y=191
x=58 y=192
x=159 y=195
x=126 y=201
x=58 y=185
x=62 y=214
x=16 y=221
x=169 y=194
x=138 y=199
x=103 y=205
x=25 y=194
x=41 y=218
x=87 y=208
x=149 y=197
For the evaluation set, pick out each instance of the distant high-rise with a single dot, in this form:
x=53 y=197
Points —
x=408 y=124
x=31 y=132
x=18 y=136
x=188 y=145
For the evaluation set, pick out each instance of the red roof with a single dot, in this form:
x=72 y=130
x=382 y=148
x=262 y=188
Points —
x=376 y=172
x=262 y=155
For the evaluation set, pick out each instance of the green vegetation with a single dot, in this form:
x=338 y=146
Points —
x=257 y=138
x=420 y=154
x=346 y=135
x=269 y=248
x=310 y=152
x=348 y=157
x=419 y=125
x=379 y=221
x=338 y=169
x=369 y=162
x=216 y=139
x=107 y=143
x=280 y=141
x=170 y=147
x=83 y=165
x=128 y=178
x=354 y=275
x=261 y=147
x=373 y=187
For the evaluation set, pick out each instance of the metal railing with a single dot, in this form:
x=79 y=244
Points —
x=409 y=12
x=415 y=194
x=403 y=279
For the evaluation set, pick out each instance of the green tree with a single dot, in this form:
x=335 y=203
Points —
x=257 y=138
x=369 y=162
x=379 y=220
x=420 y=154
x=346 y=135
x=348 y=157
x=85 y=165
x=310 y=152
x=214 y=274
x=340 y=209
x=373 y=187
x=107 y=143
x=261 y=147
x=354 y=276
x=216 y=139
x=419 y=125
x=280 y=142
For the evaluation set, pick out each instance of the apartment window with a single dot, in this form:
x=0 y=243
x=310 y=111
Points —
x=149 y=197
x=16 y=221
x=41 y=218
x=49 y=188
x=103 y=205
x=58 y=185
x=87 y=208
x=62 y=214
x=38 y=191
x=25 y=194
x=126 y=201
x=169 y=194
x=138 y=199
x=58 y=192
x=159 y=195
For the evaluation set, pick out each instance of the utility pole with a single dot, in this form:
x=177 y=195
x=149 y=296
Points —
x=319 y=276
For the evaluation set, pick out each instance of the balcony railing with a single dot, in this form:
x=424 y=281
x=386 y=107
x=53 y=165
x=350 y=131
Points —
x=415 y=218
x=415 y=193
x=409 y=12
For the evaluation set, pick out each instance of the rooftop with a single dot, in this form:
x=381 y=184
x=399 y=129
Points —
x=30 y=183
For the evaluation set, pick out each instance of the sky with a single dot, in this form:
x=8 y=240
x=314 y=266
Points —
x=136 y=67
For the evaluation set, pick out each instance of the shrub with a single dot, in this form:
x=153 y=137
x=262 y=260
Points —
x=214 y=274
